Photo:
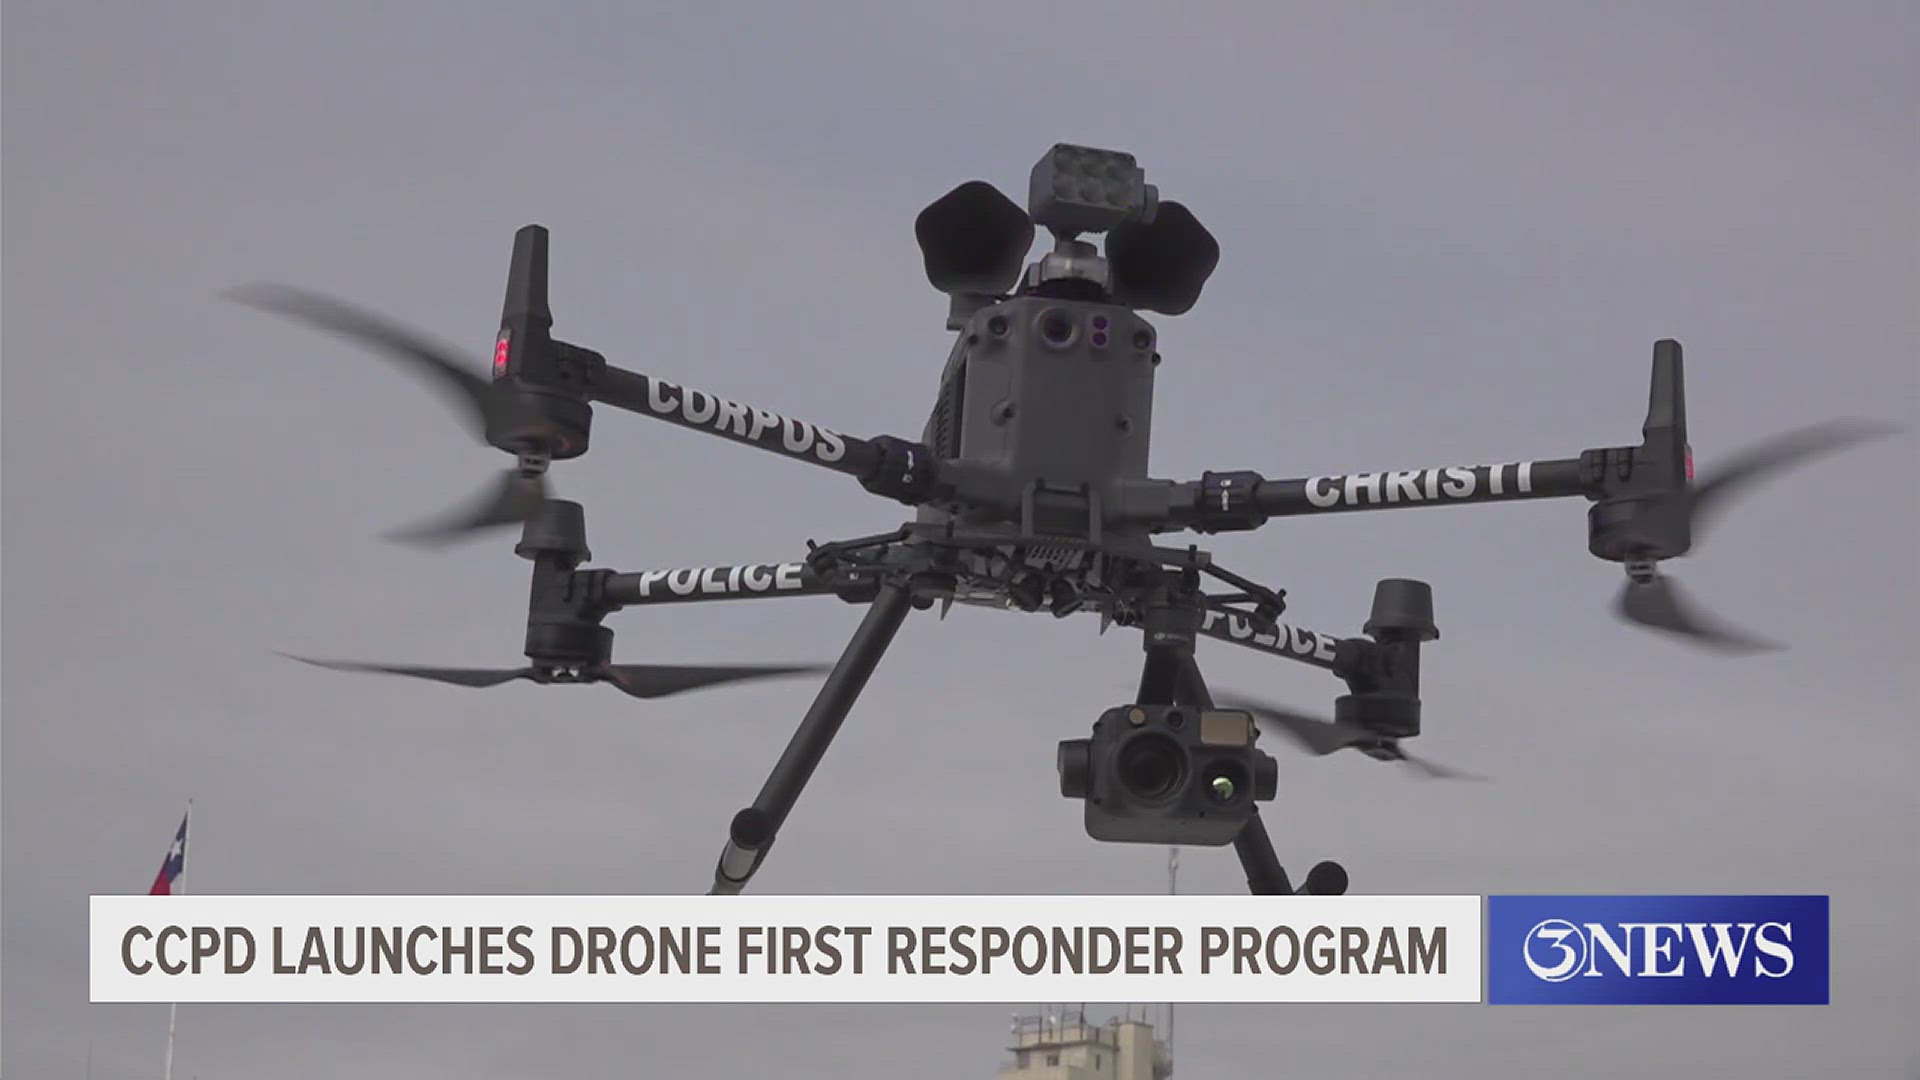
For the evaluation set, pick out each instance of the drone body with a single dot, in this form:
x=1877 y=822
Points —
x=1031 y=492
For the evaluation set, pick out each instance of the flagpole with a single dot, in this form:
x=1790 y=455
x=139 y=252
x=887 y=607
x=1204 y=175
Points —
x=173 y=1009
x=1173 y=888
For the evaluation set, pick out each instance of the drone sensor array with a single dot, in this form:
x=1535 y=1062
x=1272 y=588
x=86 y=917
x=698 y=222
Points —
x=1030 y=492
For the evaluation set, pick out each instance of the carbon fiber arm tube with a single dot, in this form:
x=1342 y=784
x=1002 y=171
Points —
x=1421 y=487
x=716 y=415
x=1292 y=642
x=752 y=582
x=1229 y=501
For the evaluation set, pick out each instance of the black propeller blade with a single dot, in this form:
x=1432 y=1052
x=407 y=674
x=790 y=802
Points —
x=478 y=677
x=1657 y=602
x=1320 y=736
x=1708 y=497
x=660 y=680
x=638 y=680
x=1653 y=600
x=515 y=495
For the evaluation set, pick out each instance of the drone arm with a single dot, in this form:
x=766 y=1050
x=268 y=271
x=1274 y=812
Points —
x=697 y=409
x=1227 y=501
x=750 y=582
x=1420 y=487
x=886 y=465
x=1293 y=642
x=1625 y=480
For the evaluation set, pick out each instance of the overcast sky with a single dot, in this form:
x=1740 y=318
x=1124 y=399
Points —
x=1450 y=233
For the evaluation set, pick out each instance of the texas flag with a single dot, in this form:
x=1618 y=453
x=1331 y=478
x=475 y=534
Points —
x=176 y=863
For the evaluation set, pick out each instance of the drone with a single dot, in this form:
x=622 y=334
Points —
x=1030 y=492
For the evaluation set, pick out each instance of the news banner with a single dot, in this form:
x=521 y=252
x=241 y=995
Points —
x=1502 y=950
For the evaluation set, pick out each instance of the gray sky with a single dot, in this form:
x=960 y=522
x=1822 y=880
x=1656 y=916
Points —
x=1449 y=235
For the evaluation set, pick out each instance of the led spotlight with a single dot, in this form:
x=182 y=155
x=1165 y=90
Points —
x=1076 y=189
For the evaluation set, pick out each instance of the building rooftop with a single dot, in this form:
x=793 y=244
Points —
x=1064 y=1045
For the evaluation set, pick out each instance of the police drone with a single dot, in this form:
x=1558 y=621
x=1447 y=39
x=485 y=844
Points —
x=1031 y=493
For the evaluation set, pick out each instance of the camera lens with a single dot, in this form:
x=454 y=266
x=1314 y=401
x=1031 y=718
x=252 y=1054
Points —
x=1152 y=766
x=1056 y=327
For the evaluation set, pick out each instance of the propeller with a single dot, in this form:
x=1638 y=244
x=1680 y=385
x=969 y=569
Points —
x=1654 y=600
x=516 y=494
x=636 y=680
x=1320 y=736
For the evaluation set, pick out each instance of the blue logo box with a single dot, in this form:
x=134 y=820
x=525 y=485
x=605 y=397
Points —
x=1657 y=950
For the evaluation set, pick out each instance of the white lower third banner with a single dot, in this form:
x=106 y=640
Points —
x=852 y=949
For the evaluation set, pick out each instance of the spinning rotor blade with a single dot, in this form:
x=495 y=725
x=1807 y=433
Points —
x=1320 y=736
x=638 y=680
x=514 y=497
x=477 y=677
x=1783 y=451
x=1654 y=600
x=660 y=680
x=1433 y=770
x=1660 y=604
x=1316 y=735
x=467 y=388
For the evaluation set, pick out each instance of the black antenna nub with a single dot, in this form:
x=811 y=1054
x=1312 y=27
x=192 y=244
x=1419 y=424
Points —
x=526 y=323
x=527 y=277
x=1642 y=514
x=1402 y=610
x=558 y=528
x=1663 y=444
x=538 y=383
x=1667 y=397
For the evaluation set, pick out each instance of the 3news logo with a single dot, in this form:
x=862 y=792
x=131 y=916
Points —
x=1657 y=950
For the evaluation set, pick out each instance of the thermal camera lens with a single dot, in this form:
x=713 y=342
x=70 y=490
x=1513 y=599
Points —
x=1225 y=781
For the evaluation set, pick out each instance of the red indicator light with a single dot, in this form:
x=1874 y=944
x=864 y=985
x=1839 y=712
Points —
x=501 y=351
